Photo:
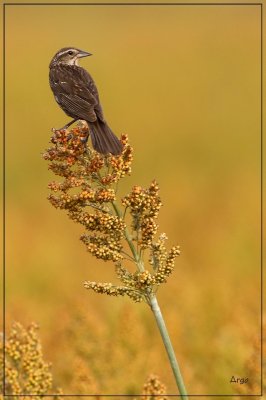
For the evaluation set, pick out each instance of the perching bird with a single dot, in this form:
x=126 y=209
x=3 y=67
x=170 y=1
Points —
x=76 y=93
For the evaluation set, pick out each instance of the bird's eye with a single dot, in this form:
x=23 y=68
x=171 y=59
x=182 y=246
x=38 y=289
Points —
x=70 y=53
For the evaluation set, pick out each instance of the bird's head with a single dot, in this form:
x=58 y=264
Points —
x=68 y=56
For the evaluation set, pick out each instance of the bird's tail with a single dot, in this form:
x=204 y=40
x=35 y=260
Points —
x=103 y=139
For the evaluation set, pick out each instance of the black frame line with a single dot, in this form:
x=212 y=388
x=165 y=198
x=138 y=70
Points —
x=131 y=395
x=261 y=189
x=4 y=207
x=261 y=193
x=132 y=4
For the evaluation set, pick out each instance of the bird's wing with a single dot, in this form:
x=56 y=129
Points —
x=72 y=94
x=92 y=89
x=74 y=87
x=78 y=106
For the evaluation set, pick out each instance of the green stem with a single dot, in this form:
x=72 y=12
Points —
x=130 y=241
x=168 y=346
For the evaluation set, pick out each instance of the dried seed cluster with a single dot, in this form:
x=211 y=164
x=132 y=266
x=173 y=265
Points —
x=163 y=262
x=25 y=370
x=87 y=192
x=144 y=206
x=87 y=177
x=105 y=248
x=113 y=290
x=154 y=388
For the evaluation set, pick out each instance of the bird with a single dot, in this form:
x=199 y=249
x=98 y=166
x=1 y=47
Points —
x=76 y=93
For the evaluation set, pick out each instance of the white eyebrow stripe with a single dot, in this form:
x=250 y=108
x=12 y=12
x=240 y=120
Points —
x=61 y=52
x=65 y=51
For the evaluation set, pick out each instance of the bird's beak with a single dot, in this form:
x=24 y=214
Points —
x=84 y=54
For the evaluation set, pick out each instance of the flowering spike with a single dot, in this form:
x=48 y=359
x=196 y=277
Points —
x=87 y=192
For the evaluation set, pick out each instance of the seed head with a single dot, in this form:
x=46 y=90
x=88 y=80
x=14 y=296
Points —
x=87 y=192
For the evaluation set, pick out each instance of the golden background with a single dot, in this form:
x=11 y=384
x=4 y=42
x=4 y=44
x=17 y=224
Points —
x=184 y=83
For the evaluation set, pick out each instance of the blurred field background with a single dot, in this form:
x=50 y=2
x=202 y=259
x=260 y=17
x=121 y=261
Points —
x=184 y=84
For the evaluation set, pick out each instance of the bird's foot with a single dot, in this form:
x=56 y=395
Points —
x=80 y=132
x=85 y=137
x=64 y=128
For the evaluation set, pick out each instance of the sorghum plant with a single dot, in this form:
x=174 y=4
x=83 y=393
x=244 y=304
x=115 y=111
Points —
x=154 y=387
x=88 y=192
x=25 y=370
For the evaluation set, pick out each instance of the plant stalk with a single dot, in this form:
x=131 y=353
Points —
x=129 y=240
x=168 y=346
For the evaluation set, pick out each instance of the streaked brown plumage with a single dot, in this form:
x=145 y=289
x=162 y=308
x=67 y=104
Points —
x=76 y=93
